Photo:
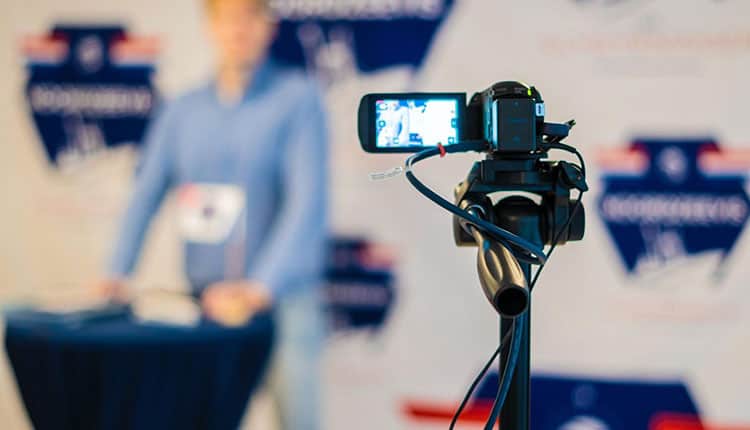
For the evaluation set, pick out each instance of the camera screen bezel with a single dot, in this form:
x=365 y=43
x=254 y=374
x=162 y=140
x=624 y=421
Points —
x=367 y=117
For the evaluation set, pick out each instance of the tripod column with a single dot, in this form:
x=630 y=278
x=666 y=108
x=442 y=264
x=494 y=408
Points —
x=521 y=216
x=516 y=412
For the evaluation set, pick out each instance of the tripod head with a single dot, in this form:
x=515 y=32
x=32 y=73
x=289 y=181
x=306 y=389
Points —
x=552 y=219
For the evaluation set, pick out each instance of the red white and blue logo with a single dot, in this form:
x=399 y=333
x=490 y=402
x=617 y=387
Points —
x=335 y=39
x=361 y=284
x=665 y=200
x=568 y=403
x=89 y=87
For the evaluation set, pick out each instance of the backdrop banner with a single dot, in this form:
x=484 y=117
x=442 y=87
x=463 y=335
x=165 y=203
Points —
x=643 y=325
x=89 y=88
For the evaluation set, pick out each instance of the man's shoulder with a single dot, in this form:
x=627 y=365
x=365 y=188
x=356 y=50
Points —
x=174 y=108
x=192 y=96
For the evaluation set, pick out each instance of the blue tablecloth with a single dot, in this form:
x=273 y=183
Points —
x=116 y=373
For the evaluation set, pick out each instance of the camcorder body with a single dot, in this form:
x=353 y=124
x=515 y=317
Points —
x=509 y=116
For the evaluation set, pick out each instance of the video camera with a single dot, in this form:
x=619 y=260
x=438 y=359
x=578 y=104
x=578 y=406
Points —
x=505 y=122
x=509 y=116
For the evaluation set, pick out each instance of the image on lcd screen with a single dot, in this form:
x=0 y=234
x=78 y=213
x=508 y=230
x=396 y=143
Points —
x=416 y=122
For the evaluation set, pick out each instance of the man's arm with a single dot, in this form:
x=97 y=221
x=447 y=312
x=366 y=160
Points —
x=293 y=254
x=153 y=178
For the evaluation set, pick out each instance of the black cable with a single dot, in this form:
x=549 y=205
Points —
x=573 y=212
x=508 y=370
x=555 y=242
x=496 y=405
x=478 y=378
x=524 y=250
x=508 y=334
x=572 y=150
x=498 y=401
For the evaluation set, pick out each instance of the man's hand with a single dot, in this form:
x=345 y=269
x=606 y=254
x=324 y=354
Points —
x=115 y=290
x=233 y=303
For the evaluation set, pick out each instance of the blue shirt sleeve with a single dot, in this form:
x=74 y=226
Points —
x=153 y=179
x=294 y=251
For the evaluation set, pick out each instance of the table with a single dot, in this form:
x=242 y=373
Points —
x=118 y=373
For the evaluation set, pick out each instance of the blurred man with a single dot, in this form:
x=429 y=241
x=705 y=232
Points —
x=396 y=129
x=246 y=154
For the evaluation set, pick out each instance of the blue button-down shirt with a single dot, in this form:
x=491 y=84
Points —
x=272 y=145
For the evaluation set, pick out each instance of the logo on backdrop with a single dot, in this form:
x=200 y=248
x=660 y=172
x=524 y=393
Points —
x=89 y=87
x=666 y=200
x=559 y=403
x=338 y=39
x=360 y=291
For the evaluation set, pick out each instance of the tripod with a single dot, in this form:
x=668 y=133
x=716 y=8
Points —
x=554 y=219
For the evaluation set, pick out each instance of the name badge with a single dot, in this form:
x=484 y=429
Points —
x=208 y=212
